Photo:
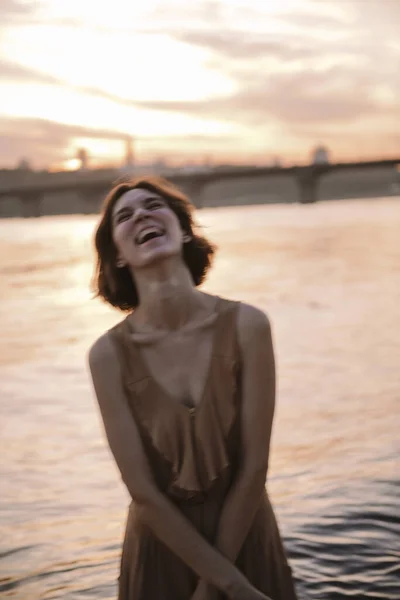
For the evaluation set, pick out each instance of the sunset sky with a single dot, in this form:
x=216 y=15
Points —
x=224 y=80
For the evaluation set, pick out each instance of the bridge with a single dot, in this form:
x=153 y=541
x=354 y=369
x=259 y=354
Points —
x=92 y=186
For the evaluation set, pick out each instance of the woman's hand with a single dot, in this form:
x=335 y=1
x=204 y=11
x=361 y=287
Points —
x=253 y=595
x=204 y=591
x=248 y=592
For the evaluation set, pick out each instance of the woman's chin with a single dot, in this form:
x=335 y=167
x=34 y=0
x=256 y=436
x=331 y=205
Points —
x=153 y=256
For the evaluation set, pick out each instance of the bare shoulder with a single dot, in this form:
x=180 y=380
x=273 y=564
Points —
x=106 y=374
x=101 y=353
x=104 y=362
x=253 y=324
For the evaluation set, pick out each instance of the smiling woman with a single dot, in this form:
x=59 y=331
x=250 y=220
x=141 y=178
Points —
x=142 y=198
x=186 y=389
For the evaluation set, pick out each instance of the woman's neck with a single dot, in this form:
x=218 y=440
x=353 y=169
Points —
x=167 y=299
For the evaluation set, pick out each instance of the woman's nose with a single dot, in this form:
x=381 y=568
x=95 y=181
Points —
x=140 y=213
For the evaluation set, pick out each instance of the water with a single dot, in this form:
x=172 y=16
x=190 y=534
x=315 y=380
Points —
x=329 y=277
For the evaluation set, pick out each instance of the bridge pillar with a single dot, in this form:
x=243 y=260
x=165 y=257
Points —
x=308 y=181
x=194 y=190
x=91 y=203
x=31 y=205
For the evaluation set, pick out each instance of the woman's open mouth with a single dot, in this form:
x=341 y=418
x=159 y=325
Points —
x=147 y=234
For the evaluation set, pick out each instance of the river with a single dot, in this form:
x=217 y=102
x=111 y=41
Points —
x=328 y=275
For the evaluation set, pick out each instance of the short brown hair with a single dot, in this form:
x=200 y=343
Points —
x=115 y=285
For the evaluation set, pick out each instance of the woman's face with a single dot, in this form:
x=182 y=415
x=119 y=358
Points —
x=145 y=229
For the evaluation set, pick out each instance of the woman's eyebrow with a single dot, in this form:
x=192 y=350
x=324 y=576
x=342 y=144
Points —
x=152 y=198
x=122 y=210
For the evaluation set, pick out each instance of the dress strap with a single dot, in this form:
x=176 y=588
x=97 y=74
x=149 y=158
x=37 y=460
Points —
x=133 y=367
x=226 y=340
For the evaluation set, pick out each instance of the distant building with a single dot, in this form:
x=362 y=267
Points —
x=320 y=156
x=83 y=158
x=276 y=162
x=159 y=165
x=24 y=165
x=128 y=167
x=129 y=153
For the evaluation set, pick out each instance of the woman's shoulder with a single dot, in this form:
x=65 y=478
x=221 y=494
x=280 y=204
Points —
x=248 y=314
x=103 y=350
x=252 y=322
x=249 y=322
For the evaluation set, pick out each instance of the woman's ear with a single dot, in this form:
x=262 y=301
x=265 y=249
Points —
x=120 y=263
x=187 y=238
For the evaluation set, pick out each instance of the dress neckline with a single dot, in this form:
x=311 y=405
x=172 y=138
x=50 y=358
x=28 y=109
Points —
x=160 y=389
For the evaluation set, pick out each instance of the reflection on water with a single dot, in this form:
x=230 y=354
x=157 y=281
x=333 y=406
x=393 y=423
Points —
x=329 y=277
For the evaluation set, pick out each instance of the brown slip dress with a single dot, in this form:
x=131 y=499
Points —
x=194 y=454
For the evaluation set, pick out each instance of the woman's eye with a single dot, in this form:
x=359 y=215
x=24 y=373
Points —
x=154 y=205
x=123 y=217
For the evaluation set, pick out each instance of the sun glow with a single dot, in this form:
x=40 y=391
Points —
x=72 y=164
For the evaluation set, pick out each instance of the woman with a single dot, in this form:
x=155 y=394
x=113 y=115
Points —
x=186 y=389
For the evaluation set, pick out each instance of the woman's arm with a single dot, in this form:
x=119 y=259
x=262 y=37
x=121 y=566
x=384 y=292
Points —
x=154 y=508
x=258 y=403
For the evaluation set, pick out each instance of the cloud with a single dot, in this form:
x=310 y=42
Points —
x=12 y=71
x=15 y=11
x=311 y=96
x=307 y=20
x=330 y=69
x=332 y=65
x=240 y=45
x=53 y=131
x=45 y=141
x=286 y=77
x=376 y=17
x=308 y=97
x=16 y=7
